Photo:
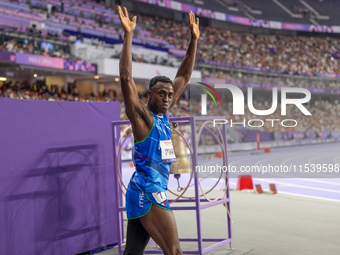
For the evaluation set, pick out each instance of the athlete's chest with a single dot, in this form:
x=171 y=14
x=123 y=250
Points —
x=162 y=127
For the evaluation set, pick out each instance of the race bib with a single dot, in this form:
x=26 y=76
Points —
x=168 y=153
x=159 y=196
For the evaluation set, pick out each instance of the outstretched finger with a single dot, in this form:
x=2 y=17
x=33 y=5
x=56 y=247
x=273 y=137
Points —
x=134 y=19
x=119 y=11
x=190 y=17
x=198 y=21
x=126 y=12
x=193 y=17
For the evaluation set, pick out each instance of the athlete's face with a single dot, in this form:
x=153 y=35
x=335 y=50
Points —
x=160 y=97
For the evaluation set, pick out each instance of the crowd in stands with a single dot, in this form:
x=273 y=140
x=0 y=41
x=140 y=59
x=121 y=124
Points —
x=288 y=54
x=325 y=114
x=294 y=55
x=36 y=91
x=244 y=77
x=298 y=54
x=25 y=46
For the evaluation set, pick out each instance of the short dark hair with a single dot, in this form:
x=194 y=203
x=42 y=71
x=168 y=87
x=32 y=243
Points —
x=156 y=79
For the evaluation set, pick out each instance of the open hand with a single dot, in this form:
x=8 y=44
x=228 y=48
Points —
x=195 y=31
x=128 y=25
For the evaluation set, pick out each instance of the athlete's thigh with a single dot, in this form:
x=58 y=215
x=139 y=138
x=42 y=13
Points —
x=161 y=226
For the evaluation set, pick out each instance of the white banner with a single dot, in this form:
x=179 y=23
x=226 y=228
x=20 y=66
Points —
x=220 y=16
x=275 y=25
x=176 y=6
x=86 y=51
x=336 y=29
x=110 y=66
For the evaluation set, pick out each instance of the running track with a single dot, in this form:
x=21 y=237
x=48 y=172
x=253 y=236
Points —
x=316 y=186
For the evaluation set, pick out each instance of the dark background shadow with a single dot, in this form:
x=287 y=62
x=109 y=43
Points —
x=61 y=189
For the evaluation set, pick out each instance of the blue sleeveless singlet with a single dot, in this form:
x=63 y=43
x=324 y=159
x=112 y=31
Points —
x=150 y=180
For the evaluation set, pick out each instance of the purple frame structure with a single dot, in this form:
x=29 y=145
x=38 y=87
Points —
x=119 y=208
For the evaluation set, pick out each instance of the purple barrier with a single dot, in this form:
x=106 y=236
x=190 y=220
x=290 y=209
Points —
x=298 y=135
x=294 y=135
x=8 y=25
x=54 y=2
x=277 y=135
x=74 y=65
x=15 y=20
x=287 y=135
x=36 y=3
x=61 y=26
x=56 y=176
x=92 y=32
x=53 y=30
x=83 y=9
x=70 y=10
x=7 y=56
x=250 y=135
x=177 y=53
x=325 y=134
x=283 y=135
x=58 y=63
x=37 y=60
x=311 y=134
x=15 y=6
x=335 y=133
x=235 y=135
x=112 y=36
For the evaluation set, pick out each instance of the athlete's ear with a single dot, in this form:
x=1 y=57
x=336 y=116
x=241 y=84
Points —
x=149 y=94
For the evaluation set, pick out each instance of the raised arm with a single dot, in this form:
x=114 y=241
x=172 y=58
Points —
x=139 y=115
x=185 y=69
x=128 y=86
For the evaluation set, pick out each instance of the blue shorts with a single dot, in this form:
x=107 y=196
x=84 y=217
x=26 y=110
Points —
x=138 y=202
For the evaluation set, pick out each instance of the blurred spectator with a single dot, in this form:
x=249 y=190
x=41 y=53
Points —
x=10 y=45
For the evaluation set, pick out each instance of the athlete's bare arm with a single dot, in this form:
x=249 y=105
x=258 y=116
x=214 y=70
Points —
x=185 y=69
x=139 y=115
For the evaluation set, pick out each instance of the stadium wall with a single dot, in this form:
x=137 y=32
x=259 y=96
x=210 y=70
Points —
x=56 y=176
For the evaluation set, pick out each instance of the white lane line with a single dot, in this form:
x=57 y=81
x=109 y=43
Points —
x=295 y=157
x=310 y=161
x=298 y=186
x=318 y=181
x=298 y=195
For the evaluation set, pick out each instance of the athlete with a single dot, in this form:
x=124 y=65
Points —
x=148 y=210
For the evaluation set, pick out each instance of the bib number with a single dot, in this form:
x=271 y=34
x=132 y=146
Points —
x=159 y=196
x=168 y=152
